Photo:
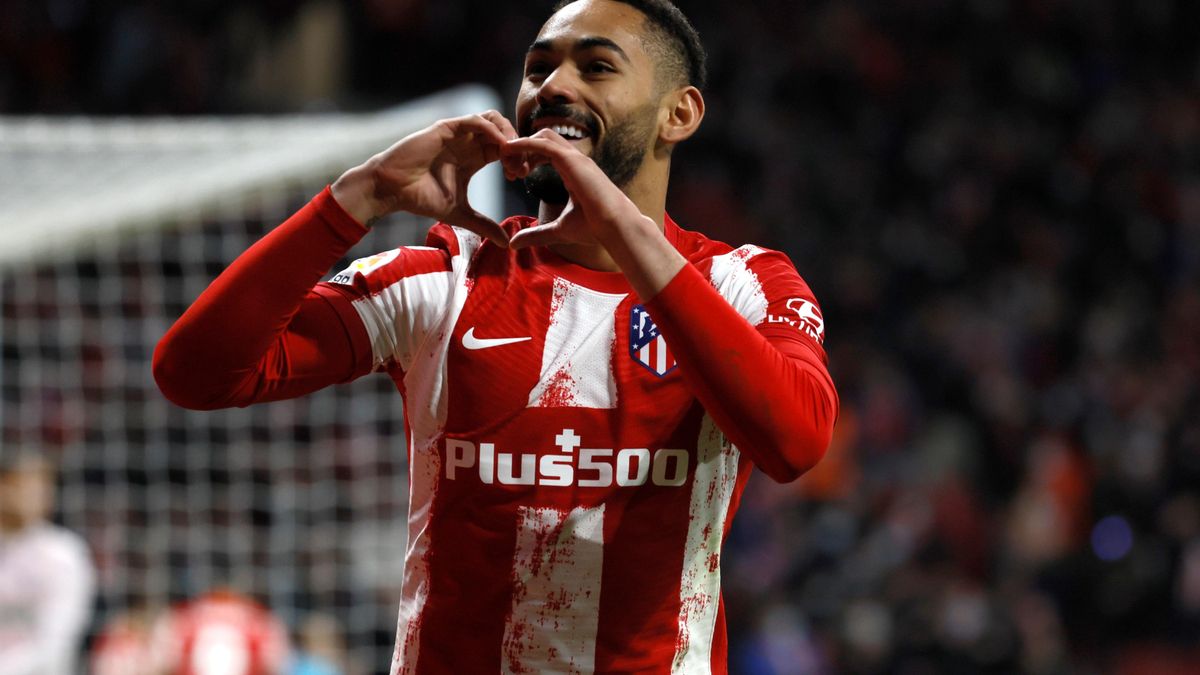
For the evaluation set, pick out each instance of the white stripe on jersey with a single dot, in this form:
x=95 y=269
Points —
x=577 y=357
x=738 y=284
x=700 y=584
x=393 y=339
x=425 y=381
x=557 y=568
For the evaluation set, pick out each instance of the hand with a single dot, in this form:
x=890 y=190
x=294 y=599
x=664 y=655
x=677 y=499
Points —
x=597 y=208
x=427 y=173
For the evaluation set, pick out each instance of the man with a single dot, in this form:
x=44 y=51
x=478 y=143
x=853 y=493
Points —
x=46 y=575
x=585 y=393
x=221 y=633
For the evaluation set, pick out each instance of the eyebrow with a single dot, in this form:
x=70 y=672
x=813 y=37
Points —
x=590 y=42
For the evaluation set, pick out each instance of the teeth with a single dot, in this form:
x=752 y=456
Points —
x=567 y=131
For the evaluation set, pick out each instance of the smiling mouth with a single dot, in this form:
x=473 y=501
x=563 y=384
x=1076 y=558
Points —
x=569 y=132
x=572 y=131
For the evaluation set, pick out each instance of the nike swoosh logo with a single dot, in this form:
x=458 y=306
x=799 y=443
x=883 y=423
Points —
x=472 y=342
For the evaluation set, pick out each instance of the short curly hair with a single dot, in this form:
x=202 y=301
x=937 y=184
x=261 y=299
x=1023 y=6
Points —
x=674 y=40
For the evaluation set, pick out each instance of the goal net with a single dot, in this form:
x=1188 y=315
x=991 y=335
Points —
x=109 y=228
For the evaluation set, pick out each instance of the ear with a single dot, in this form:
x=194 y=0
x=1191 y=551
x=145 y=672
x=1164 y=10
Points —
x=684 y=112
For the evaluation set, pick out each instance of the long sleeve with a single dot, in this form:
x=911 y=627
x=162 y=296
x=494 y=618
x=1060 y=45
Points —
x=264 y=330
x=766 y=387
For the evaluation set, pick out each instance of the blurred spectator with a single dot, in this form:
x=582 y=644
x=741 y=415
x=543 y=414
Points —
x=222 y=633
x=46 y=577
x=126 y=645
x=320 y=649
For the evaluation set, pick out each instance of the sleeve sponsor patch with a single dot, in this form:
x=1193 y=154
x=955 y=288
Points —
x=804 y=315
x=364 y=266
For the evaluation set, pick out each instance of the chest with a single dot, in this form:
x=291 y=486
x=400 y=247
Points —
x=23 y=582
x=528 y=341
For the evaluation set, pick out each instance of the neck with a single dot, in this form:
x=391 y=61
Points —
x=650 y=200
x=11 y=525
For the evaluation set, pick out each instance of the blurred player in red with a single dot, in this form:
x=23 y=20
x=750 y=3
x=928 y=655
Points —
x=221 y=633
x=46 y=576
x=585 y=393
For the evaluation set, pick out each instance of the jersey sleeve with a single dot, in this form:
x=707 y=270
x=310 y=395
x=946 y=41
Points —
x=764 y=287
x=748 y=335
x=401 y=295
x=259 y=332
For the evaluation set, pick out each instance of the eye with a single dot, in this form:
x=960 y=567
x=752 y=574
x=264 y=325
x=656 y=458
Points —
x=599 y=67
x=537 y=69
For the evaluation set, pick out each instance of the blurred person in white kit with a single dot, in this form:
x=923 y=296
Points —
x=47 y=580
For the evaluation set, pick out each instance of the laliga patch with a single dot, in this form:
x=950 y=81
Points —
x=646 y=344
x=364 y=266
x=368 y=265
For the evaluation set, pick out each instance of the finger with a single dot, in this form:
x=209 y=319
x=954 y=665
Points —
x=538 y=235
x=501 y=123
x=520 y=160
x=544 y=147
x=470 y=219
x=545 y=140
x=514 y=168
x=482 y=127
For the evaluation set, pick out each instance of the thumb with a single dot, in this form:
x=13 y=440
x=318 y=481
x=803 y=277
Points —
x=538 y=235
x=470 y=219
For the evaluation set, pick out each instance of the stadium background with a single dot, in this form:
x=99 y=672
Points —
x=997 y=203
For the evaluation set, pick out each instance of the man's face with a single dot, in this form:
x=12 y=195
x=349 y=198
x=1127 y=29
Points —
x=589 y=77
x=26 y=493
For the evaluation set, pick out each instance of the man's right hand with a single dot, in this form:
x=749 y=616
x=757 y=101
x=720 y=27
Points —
x=426 y=173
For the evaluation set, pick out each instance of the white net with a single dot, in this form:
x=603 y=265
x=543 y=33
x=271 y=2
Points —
x=108 y=230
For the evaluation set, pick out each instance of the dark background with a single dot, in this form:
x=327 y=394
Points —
x=998 y=206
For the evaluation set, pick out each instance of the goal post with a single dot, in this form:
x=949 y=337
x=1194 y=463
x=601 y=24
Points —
x=109 y=229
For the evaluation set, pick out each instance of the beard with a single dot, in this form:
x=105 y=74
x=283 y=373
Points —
x=619 y=154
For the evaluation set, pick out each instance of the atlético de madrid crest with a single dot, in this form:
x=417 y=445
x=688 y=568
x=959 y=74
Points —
x=646 y=344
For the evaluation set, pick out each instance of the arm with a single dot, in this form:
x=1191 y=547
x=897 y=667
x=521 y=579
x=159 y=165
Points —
x=769 y=392
x=262 y=332
x=772 y=397
x=259 y=332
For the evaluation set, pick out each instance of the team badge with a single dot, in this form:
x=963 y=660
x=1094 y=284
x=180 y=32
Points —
x=646 y=344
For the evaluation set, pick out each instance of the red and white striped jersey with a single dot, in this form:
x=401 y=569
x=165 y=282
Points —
x=569 y=495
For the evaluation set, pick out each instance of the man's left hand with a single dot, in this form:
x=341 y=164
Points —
x=597 y=208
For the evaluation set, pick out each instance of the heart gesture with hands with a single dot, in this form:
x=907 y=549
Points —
x=596 y=208
x=598 y=213
x=427 y=173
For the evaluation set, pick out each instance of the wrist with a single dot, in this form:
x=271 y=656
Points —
x=354 y=191
x=642 y=252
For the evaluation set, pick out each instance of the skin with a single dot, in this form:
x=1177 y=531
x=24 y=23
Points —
x=26 y=495
x=591 y=57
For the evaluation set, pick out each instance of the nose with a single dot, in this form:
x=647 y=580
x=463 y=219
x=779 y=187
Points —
x=558 y=87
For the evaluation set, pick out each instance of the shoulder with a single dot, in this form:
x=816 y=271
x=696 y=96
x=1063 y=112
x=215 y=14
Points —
x=722 y=263
x=59 y=548
x=448 y=251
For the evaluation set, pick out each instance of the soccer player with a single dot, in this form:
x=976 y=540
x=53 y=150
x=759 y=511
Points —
x=221 y=633
x=46 y=576
x=585 y=393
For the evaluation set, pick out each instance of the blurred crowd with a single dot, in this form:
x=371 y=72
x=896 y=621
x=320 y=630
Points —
x=997 y=204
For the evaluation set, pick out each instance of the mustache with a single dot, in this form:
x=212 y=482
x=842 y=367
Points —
x=560 y=111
